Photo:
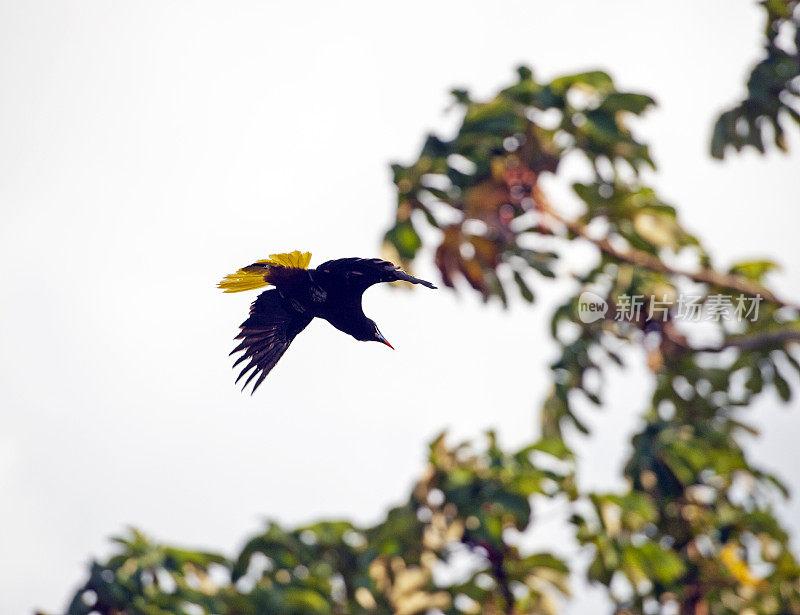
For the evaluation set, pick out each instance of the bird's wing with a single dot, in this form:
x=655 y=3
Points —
x=361 y=273
x=266 y=334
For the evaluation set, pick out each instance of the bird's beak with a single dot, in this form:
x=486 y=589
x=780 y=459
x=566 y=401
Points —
x=382 y=340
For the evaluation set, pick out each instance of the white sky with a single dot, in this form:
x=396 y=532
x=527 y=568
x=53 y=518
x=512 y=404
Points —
x=149 y=148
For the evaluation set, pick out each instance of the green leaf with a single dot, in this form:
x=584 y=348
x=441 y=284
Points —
x=524 y=290
x=634 y=103
x=754 y=270
x=781 y=385
x=403 y=236
x=553 y=446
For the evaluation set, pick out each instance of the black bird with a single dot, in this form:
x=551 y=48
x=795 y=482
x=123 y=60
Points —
x=332 y=292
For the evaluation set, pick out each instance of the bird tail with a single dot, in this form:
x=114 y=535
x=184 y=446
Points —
x=257 y=275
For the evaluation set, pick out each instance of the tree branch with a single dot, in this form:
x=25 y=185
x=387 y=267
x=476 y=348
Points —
x=639 y=258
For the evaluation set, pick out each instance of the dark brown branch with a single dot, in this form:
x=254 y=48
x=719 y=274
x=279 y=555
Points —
x=645 y=260
x=749 y=341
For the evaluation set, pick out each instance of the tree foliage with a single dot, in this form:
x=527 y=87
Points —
x=773 y=88
x=692 y=532
x=460 y=509
x=695 y=526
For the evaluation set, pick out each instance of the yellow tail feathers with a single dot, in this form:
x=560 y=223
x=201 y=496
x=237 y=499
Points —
x=296 y=259
x=257 y=275
x=247 y=278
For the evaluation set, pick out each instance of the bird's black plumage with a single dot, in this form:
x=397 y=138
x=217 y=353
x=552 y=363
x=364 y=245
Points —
x=332 y=291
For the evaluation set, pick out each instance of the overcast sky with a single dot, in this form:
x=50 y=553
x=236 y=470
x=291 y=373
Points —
x=149 y=148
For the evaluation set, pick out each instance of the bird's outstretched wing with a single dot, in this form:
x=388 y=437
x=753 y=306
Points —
x=266 y=334
x=361 y=273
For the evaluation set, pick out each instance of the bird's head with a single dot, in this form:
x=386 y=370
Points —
x=370 y=333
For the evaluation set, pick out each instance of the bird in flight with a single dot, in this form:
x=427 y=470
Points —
x=332 y=292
